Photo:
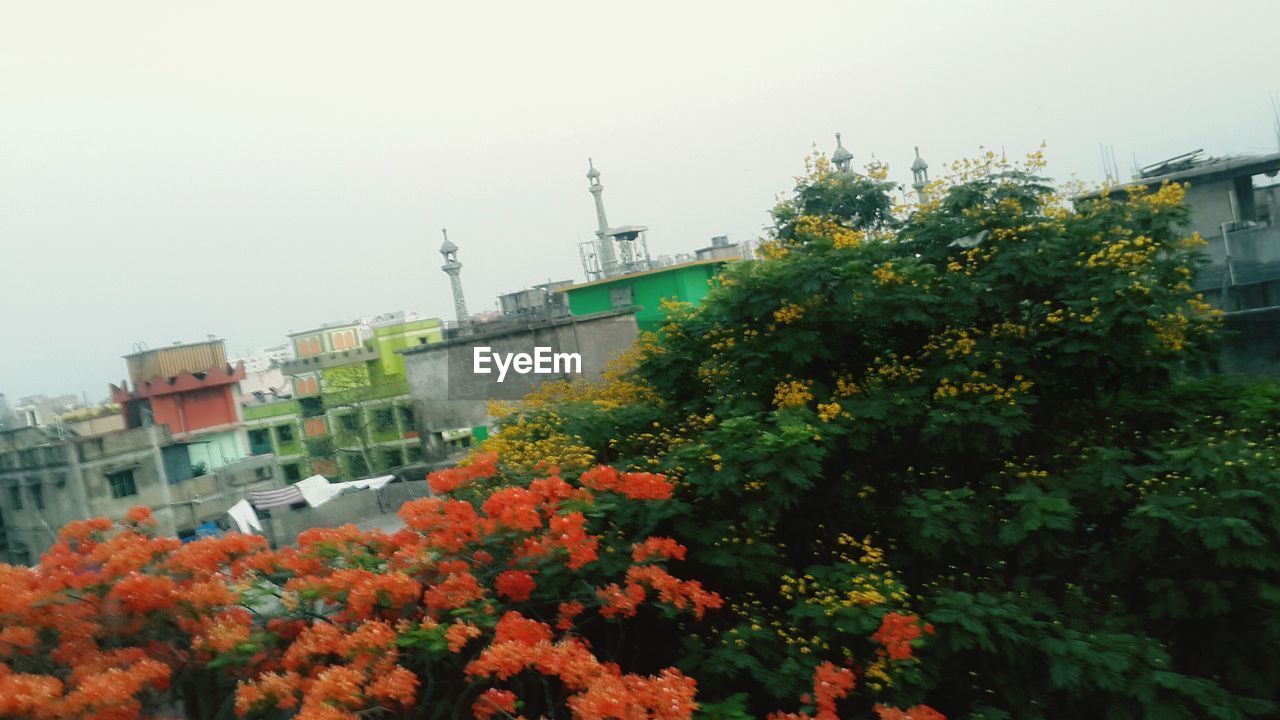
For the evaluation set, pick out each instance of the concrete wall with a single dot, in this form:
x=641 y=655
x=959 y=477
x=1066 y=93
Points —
x=366 y=508
x=97 y=426
x=1252 y=346
x=1255 y=250
x=447 y=394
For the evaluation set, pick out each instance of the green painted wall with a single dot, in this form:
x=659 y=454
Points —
x=395 y=337
x=272 y=409
x=216 y=449
x=685 y=283
x=294 y=446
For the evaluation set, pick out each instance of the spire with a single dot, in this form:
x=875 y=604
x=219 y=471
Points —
x=448 y=246
x=919 y=175
x=453 y=269
x=604 y=243
x=841 y=158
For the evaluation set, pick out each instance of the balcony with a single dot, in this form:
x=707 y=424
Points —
x=330 y=359
x=1255 y=258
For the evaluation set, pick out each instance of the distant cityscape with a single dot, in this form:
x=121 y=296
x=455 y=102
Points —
x=194 y=432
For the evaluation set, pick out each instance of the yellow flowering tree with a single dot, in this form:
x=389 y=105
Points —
x=988 y=408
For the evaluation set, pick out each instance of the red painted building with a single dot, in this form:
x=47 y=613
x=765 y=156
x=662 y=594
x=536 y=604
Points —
x=191 y=390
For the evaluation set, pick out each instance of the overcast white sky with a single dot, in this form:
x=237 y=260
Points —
x=174 y=169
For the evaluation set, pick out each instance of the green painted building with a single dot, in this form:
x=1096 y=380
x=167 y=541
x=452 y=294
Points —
x=689 y=282
x=350 y=415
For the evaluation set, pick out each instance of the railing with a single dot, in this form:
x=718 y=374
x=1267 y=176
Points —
x=330 y=359
x=1240 y=257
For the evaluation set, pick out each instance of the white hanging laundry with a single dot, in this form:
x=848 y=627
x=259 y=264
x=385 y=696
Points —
x=245 y=518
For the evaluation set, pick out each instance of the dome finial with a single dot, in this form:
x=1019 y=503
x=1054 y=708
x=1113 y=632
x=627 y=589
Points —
x=920 y=176
x=593 y=173
x=841 y=158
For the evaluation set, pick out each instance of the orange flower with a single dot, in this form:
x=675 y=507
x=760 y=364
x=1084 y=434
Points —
x=830 y=683
x=515 y=584
x=268 y=690
x=493 y=701
x=646 y=486
x=455 y=591
x=514 y=627
x=143 y=593
x=567 y=612
x=896 y=632
x=459 y=634
x=397 y=685
x=919 y=712
x=658 y=547
x=17 y=639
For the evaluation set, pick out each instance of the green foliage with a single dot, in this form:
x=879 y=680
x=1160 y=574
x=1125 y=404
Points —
x=858 y=201
x=996 y=389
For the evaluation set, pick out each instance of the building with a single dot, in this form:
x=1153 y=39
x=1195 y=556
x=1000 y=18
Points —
x=266 y=358
x=721 y=249
x=52 y=476
x=347 y=412
x=192 y=391
x=44 y=409
x=644 y=291
x=1235 y=206
x=537 y=302
x=451 y=400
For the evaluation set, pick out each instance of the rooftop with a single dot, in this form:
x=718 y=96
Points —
x=642 y=273
x=147 y=351
x=1194 y=166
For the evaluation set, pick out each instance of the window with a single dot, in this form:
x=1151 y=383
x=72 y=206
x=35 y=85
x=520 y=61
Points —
x=305 y=386
x=358 y=465
x=620 y=296
x=314 y=426
x=344 y=340
x=122 y=484
x=390 y=458
x=292 y=473
x=406 y=416
x=259 y=441
x=349 y=422
x=262 y=473
x=37 y=494
x=15 y=497
x=284 y=434
x=314 y=346
x=413 y=453
x=384 y=420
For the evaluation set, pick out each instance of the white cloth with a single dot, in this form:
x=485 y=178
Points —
x=376 y=483
x=245 y=518
x=316 y=490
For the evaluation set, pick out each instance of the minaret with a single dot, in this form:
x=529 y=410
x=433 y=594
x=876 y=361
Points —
x=453 y=269
x=842 y=158
x=919 y=176
x=604 y=243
